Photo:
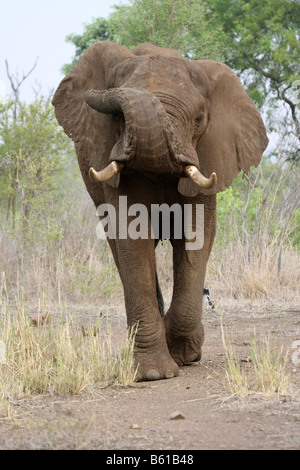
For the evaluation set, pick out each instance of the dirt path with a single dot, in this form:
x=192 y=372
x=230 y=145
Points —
x=139 y=417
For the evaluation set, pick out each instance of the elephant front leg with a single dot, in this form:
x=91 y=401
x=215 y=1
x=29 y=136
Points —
x=136 y=263
x=184 y=329
x=183 y=322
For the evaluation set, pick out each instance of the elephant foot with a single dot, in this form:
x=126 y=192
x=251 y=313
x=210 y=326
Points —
x=185 y=348
x=155 y=366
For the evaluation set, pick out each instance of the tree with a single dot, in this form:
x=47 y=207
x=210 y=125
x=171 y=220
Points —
x=262 y=46
x=31 y=149
x=184 y=26
x=98 y=30
x=15 y=83
x=181 y=25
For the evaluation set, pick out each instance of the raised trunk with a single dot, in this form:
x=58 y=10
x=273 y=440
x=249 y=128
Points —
x=146 y=142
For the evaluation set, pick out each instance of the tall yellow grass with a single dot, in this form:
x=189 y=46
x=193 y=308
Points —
x=264 y=373
x=57 y=358
x=231 y=271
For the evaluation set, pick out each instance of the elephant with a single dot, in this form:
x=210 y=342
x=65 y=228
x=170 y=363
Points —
x=157 y=128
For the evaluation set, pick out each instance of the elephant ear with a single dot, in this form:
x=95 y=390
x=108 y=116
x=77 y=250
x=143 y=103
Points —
x=235 y=137
x=90 y=130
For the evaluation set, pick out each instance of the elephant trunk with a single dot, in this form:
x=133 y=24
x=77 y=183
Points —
x=147 y=140
x=144 y=142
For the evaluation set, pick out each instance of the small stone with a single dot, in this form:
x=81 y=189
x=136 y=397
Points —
x=177 y=415
x=134 y=426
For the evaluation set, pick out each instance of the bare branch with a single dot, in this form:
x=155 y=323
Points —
x=16 y=84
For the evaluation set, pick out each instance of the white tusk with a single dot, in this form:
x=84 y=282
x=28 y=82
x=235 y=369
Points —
x=194 y=174
x=111 y=170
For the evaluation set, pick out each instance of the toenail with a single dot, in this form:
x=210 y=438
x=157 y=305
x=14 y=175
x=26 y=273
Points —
x=169 y=374
x=153 y=374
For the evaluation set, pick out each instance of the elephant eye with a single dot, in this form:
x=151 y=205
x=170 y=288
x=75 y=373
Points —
x=199 y=117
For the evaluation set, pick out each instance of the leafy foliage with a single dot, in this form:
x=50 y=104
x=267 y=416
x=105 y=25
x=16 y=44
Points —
x=188 y=27
x=262 y=208
x=262 y=46
x=184 y=26
x=31 y=149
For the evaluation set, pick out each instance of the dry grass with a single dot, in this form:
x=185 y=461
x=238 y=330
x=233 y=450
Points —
x=264 y=372
x=269 y=367
x=75 y=267
x=258 y=277
x=57 y=359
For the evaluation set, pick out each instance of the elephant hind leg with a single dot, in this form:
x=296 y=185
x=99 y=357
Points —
x=159 y=295
x=160 y=299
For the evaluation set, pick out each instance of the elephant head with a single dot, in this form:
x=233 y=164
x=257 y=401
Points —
x=151 y=110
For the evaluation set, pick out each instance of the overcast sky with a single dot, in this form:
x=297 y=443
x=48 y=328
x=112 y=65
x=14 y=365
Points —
x=35 y=28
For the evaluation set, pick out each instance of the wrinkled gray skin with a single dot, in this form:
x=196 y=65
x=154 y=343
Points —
x=156 y=113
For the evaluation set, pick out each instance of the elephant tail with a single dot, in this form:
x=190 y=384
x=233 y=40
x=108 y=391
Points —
x=160 y=299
